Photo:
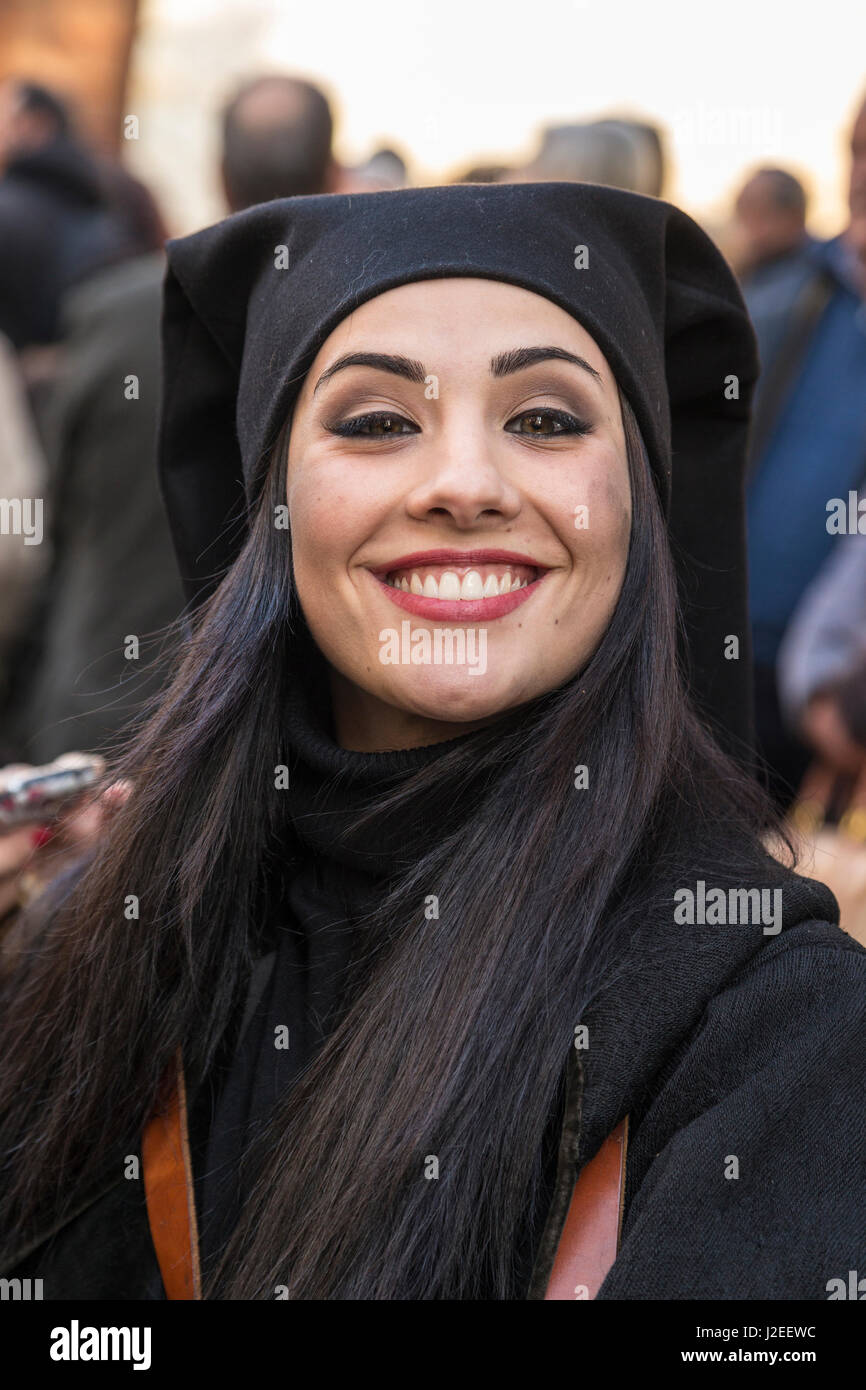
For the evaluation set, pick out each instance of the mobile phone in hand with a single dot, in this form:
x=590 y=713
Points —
x=36 y=794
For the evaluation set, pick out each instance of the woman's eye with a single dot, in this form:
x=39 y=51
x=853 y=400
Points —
x=544 y=424
x=381 y=424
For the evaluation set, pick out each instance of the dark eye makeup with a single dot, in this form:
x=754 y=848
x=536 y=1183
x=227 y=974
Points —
x=377 y=424
x=543 y=423
x=546 y=423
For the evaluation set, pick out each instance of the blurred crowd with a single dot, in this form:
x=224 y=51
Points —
x=87 y=576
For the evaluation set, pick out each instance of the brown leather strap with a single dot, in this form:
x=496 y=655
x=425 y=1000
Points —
x=587 y=1247
x=590 y=1237
x=168 y=1188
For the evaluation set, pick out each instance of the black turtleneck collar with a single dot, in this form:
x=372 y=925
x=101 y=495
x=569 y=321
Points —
x=330 y=786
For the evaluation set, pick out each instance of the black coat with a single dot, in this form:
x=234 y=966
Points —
x=742 y=1046
x=56 y=227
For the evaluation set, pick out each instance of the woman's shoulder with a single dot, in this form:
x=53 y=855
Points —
x=800 y=933
x=811 y=945
x=804 y=992
x=742 y=940
x=793 y=972
x=782 y=1032
x=751 y=1131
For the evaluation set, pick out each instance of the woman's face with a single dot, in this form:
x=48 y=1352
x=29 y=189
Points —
x=459 y=507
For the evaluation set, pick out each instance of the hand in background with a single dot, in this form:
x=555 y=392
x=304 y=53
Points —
x=825 y=727
x=31 y=855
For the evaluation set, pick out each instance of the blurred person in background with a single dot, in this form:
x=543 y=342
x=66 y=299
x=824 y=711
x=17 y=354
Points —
x=277 y=134
x=23 y=556
x=63 y=215
x=100 y=232
x=822 y=686
x=773 y=254
x=617 y=153
x=651 y=164
x=483 y=173
x=769 y=222
x=822 y=661
x=808 y=443
x=384 y=169
x=75 y=678
x=84 y=663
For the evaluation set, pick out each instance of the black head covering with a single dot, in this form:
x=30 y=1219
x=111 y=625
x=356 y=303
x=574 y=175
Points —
x=249 y=301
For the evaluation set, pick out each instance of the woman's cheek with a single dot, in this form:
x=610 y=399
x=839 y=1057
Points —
x=600 y=525
x=320 y=515
x=326 y=521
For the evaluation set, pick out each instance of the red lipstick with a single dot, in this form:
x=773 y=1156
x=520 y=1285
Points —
x=458 y=610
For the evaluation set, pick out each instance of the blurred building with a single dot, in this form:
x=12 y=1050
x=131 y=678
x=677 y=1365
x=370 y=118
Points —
x=81 y=49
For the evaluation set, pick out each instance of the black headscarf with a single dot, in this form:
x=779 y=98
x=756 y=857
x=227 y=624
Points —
x=249 y=301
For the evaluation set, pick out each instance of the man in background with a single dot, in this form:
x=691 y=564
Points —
x=808 y=443
x=769 y=220
x=277 y=135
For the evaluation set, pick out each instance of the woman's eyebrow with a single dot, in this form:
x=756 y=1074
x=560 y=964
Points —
x=385 y=361
x=502 y=365
x=518 y=358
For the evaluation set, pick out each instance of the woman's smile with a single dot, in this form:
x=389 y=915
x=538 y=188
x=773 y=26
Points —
x=460 y=586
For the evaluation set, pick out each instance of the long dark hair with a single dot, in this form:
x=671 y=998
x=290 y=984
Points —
x=456 y=1040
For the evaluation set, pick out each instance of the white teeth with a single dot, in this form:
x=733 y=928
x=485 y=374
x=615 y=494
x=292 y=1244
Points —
x=472 y=585
x=449 y=585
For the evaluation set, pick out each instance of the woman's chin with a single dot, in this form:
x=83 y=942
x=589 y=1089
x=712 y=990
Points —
x=453 y=696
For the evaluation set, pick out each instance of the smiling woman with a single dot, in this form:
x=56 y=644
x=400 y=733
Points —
x=408 y=954
x=458 y=506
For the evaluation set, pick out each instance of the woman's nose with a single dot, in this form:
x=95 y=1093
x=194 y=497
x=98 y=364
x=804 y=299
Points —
x=463 y=478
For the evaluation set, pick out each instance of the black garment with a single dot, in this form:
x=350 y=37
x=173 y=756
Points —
x=249 y=301
x=718 y=1042
x=771 y=1075
x=306 y=981
x=56 y=227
